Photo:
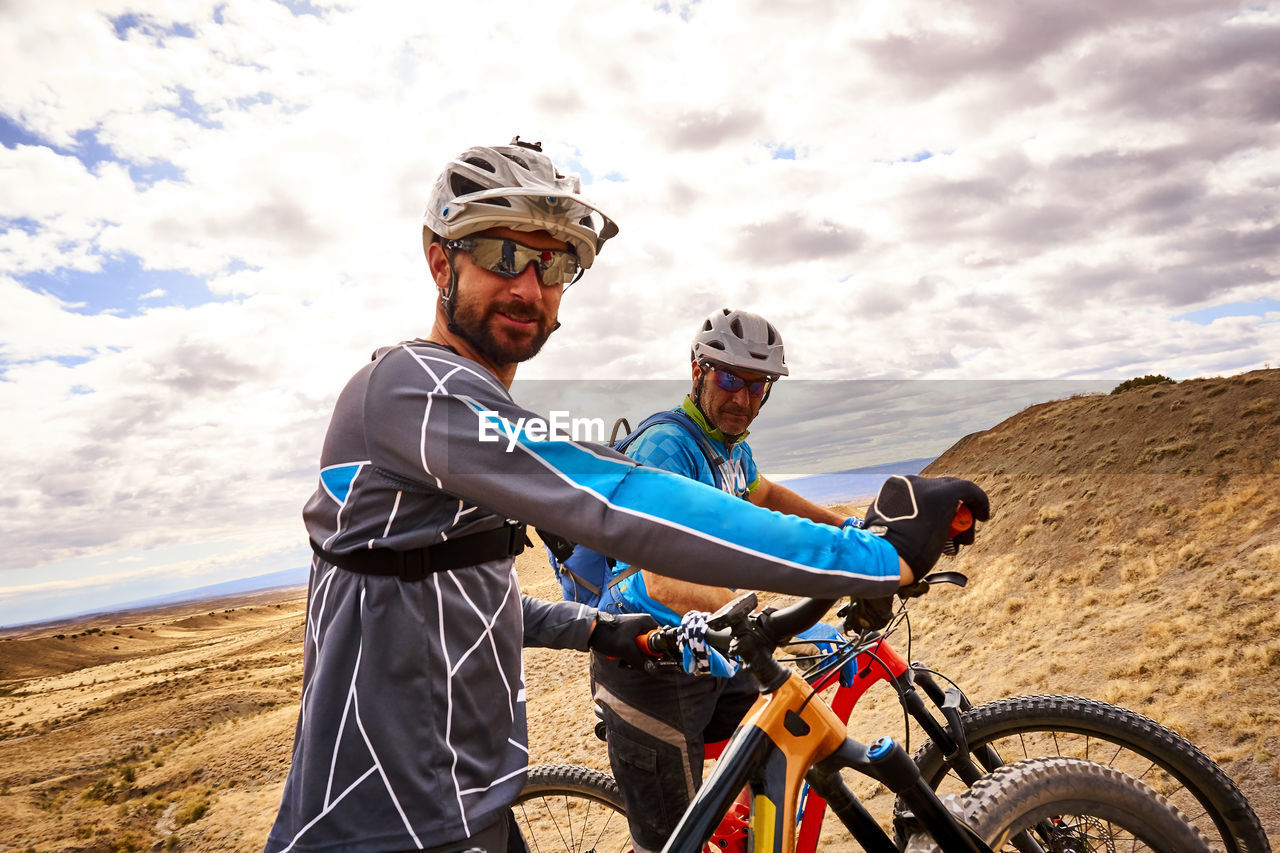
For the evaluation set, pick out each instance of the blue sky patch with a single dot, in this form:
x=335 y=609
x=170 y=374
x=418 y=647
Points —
x=302 y=7
x=782 y=152
x=147 y=25
x=123 y=288
x=189 y=108
x=254 y=100
x=13 y=134
x=1256 y=308
x=238 y=265
x=574 y=167
x=917 y=157
x=152 y=173
x=21 y=223
x=90 y=152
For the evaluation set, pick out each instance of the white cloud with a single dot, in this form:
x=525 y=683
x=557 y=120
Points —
x=978 y=191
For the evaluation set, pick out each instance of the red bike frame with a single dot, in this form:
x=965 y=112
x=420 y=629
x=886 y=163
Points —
x=878 y=663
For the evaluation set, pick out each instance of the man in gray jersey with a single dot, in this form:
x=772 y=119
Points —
x=411 y=733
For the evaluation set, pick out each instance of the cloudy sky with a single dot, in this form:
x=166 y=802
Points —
x=210 y=214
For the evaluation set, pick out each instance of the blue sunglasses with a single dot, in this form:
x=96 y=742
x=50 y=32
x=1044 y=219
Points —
x=733 y=383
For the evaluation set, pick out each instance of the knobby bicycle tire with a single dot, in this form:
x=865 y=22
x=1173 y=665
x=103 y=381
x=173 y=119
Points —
x=1073 y=805
x=564 y=807
x=1030 y=726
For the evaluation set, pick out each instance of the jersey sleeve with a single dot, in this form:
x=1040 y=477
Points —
x=556 y=624
x=462 y=434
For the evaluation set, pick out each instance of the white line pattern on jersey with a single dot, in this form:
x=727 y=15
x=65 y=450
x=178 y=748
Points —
x=311 y=634
x=486 y=634
x=448 y=723
x=386 y=531
x=352 y=708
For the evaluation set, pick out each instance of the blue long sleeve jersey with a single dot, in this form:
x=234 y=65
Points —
x=411 y=731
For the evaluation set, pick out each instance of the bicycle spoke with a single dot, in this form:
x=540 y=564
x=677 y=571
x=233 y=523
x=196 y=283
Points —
x=583 y=816
x=533 y=839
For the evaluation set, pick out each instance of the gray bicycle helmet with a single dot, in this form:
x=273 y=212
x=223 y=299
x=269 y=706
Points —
x=740 y=339
x=516 y=186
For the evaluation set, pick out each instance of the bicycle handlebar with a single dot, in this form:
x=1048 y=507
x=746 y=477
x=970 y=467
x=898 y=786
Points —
x=775 y=627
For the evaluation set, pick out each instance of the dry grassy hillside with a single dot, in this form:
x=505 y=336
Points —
x=1134 y=557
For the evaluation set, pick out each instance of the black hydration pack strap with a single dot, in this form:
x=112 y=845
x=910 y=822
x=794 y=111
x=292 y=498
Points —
x=505 y=541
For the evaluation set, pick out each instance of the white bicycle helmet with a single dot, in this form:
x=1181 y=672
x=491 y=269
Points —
x=516 y=186
x=740 y=339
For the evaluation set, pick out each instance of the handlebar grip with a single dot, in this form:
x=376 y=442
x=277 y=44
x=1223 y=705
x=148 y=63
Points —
x=963 y=521
x=652 y=643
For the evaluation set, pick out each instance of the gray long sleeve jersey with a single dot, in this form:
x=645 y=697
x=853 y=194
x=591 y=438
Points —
x=412 y=726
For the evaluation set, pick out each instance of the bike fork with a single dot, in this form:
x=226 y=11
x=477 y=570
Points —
x=888 y=763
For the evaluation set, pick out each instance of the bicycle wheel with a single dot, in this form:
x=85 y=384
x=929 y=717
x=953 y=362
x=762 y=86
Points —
x=1069 y=806
x=571 y=808
x=1035 y=726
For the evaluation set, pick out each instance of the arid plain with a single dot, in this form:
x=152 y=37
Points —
x=1134 y=558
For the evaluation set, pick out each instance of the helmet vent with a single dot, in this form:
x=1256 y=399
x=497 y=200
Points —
x=462 y=185
x=773 y=335
x=516 y=160
x=480 y=163
x=736 y=325
x=716 y=345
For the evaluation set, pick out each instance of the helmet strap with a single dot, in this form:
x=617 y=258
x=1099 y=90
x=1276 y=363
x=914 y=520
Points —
x=448 y=298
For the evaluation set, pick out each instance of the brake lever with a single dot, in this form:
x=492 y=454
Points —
x=733 y=613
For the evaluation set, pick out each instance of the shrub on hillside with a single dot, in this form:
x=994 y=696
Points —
x=191 y=810
x=1139 y=381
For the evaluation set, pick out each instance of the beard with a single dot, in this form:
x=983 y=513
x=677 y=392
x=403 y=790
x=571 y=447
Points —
x=474 y=323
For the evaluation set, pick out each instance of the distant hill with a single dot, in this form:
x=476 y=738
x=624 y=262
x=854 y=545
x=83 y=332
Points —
x=258 y=583
x=271 y=580
x=853 y=484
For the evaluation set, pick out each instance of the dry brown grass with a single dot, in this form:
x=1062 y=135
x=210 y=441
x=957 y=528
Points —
x=179 y=739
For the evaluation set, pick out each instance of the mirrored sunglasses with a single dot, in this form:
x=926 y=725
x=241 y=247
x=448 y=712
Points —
x=508 y=259
x=733 y=383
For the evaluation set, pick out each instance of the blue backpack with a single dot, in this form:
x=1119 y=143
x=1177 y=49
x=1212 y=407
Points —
x=585 y=575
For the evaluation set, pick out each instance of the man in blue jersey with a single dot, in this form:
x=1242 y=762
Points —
x=658 y=724
x=411 y=733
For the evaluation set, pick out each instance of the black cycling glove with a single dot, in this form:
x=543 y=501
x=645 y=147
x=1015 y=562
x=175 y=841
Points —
x=915 y=513
x=615 y=636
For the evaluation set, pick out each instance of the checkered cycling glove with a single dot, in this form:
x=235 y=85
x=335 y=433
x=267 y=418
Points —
x=697 y=657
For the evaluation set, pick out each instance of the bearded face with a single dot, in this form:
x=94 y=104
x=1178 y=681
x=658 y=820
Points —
x=503 y=331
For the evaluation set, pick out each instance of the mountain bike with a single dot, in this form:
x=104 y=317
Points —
x=969 y=742
x=791 y=738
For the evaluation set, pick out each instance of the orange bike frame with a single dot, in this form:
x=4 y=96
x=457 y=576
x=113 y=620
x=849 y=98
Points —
x=822 y=730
